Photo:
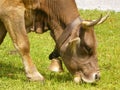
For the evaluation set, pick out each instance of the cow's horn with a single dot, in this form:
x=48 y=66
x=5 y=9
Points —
x=94 y=22
x=104 y=18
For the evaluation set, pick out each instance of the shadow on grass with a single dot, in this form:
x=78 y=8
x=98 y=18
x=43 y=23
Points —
x=10 y=71
x=59 y=77
x=66 y=77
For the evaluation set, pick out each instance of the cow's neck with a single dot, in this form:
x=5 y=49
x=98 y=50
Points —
x=59 y=23
x=63 y=25
x=63 y=10
x=61 y=34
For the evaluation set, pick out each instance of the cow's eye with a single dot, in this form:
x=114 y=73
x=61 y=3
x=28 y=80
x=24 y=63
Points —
x=87 y=49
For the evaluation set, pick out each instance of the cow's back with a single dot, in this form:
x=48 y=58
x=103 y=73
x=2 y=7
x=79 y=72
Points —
x=64 y=10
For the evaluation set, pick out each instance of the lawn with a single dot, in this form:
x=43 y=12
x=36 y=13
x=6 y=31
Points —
x=12 y=76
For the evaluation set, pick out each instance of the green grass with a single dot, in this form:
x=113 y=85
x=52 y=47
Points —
x=12 y=75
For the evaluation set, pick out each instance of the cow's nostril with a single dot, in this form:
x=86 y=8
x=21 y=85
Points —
x=97 y=76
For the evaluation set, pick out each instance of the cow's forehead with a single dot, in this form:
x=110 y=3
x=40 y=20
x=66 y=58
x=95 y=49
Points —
x=89 y=38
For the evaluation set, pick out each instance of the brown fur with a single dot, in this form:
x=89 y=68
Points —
x=60 y=17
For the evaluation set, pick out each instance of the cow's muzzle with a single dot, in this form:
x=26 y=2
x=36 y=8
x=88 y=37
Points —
x=79 y=77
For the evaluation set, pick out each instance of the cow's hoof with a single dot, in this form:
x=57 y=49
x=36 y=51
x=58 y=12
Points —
x=39 y=30
x=35 y=77
x=77 y=78
x=56 y=65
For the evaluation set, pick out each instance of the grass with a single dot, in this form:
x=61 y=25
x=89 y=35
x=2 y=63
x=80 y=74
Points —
x=12 y=75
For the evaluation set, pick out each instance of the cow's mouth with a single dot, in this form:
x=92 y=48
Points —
x=78 y=78
x=88 y=80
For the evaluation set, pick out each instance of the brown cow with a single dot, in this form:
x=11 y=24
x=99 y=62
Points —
x=74 y=37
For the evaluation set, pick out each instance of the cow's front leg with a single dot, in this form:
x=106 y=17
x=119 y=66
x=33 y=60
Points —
x=15 y=25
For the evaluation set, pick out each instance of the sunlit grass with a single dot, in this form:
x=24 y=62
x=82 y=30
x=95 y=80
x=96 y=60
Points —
x=12 y=75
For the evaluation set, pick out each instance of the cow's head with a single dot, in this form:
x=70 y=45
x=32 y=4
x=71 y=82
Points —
x=79 y=52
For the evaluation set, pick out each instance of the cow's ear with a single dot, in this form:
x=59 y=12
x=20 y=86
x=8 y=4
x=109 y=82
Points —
x=74 y=39
x=72 y=44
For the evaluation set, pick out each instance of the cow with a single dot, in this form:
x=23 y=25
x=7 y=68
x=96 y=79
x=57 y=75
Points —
x=74 y=37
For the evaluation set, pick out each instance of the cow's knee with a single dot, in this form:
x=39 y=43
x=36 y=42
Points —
x=22 y=45
x=24 y=48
